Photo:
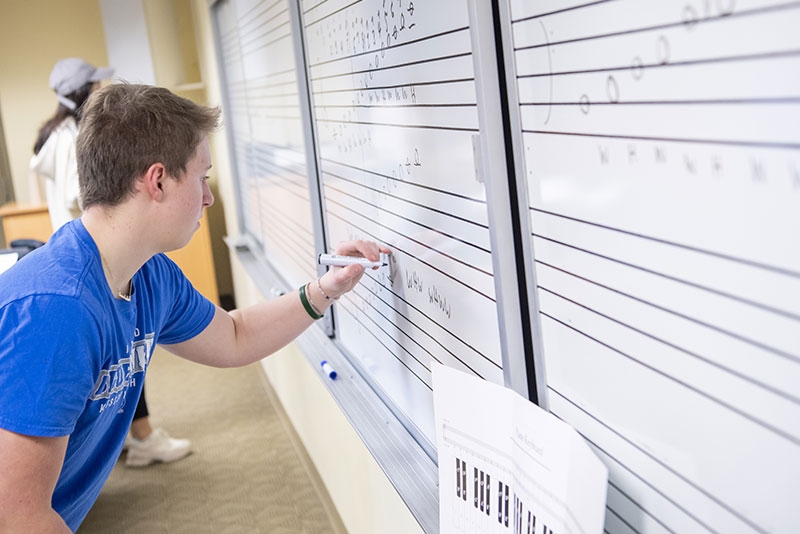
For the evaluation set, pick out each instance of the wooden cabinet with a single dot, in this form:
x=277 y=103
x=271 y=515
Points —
x=197 y=262
x=25 y=222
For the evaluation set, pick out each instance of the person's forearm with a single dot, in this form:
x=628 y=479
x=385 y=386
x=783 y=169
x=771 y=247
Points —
x=244 y=336
x=46 y=522
x=267 y=327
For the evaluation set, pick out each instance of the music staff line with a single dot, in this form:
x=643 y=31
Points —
x=396 y=106
x=562 y=10
x=631 y=527
x=697 y=141
x=251 y=85
x=657 y=27
x=256 y=34
x=737 y=298
x=298 y=252
x=266 y=44
x=710 y=253
x=396 y=247
x=394 y=125
x=780 y=54
x=388 y=349
x=730 y=509
x=694 y=355
x=264 y=115
x=407 y=182
x=283 y=220
x=343 y=8
x=394 y=339
x=245 y=81
x=693 y=102
x=291 y=252
x=405 y=218
x=393 y=86
x=413 y=323
x=294 y=176
x=248 y=14
x=651 y=457
x=699 y=357
x=384 y=49
x=229 y=43
x=394 y=66
x=441 y=253
x=695 y=389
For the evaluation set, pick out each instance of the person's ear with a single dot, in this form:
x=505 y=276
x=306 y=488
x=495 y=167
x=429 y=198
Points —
x=153 y=181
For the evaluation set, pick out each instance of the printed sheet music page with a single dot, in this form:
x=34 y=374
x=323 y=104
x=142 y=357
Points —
x=506 y=465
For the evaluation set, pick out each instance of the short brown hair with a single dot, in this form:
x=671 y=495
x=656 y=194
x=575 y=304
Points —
x=126 y=128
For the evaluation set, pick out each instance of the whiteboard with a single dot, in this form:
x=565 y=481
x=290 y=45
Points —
x=263 y=114
x=393 y=95
x=659 y=143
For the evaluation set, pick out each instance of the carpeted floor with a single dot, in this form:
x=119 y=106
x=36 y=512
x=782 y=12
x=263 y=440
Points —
x=248 y=473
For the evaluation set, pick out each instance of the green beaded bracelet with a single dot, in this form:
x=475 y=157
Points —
x=307 y=305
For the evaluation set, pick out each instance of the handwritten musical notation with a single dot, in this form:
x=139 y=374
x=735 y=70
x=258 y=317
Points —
x=393 y=93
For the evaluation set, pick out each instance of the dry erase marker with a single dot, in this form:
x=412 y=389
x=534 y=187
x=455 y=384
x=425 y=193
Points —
x=344 y=261
x=328 y=369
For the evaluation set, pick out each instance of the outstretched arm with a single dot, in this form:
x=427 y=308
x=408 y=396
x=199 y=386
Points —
x=240 y=337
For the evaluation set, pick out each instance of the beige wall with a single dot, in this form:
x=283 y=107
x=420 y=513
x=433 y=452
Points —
x=34 y=34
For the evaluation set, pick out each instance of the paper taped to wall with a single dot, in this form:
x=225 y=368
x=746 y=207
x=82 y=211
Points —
x=504 y=463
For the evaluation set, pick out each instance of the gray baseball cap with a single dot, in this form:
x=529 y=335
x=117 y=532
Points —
x=70 y=74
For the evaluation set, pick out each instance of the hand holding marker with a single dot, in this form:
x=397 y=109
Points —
x=343 y=261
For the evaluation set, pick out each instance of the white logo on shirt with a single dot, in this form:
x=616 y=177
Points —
x=119 y=376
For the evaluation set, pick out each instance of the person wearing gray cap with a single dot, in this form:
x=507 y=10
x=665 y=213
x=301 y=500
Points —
x=73 y=80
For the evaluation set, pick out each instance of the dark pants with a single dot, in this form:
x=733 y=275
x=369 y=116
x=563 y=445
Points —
x=141 y=408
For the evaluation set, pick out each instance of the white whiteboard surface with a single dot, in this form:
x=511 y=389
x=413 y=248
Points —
x=660 y=145
x=260 y=74
x=393 y=93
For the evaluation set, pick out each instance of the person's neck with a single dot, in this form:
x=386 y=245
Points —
x=119 y=244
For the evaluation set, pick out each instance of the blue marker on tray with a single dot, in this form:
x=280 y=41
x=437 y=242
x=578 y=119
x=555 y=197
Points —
x=328 y=369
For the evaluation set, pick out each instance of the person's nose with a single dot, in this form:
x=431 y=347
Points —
x=208 y=196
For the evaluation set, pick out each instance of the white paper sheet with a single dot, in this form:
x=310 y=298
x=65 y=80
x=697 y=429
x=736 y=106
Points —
x=7 y=260
x=506 y=465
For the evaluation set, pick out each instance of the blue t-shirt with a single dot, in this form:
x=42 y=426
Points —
x=73 y=358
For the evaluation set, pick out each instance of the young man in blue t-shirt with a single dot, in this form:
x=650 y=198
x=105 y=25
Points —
x=80 y=316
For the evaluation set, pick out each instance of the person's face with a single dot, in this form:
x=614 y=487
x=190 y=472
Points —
x=192 y=193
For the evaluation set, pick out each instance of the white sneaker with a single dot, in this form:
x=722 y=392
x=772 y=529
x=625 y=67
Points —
x=157 y=447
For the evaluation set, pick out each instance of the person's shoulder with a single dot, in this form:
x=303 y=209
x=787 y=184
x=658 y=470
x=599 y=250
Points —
x=60 y=142
x=61 y=267
x=162 y=265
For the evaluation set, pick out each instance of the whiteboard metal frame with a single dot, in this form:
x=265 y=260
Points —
x=310 y=140
x=508 y=237
x=501 y=13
